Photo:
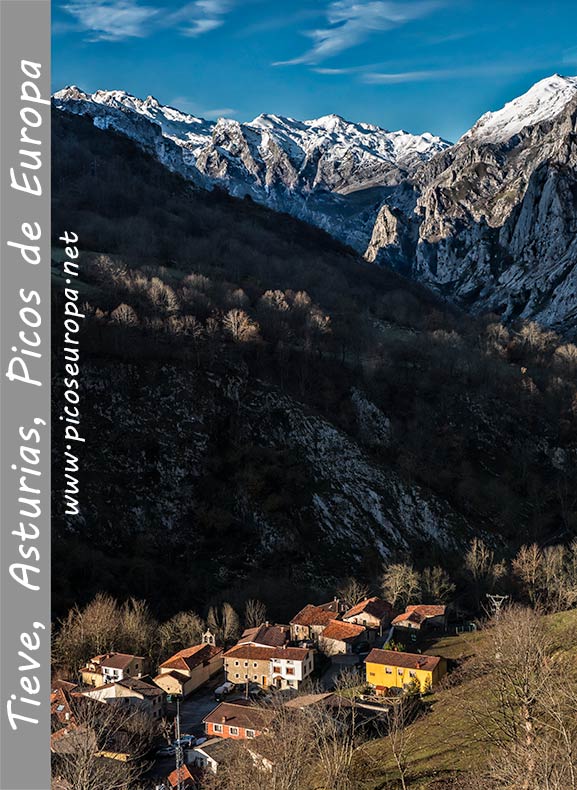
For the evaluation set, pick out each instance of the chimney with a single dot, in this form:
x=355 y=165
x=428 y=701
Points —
x=223 y=720
x=267 y=624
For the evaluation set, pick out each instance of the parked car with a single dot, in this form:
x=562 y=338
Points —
x=222 y=691
x=185 y=740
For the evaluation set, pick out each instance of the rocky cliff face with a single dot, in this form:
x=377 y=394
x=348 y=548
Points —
x=494 y=225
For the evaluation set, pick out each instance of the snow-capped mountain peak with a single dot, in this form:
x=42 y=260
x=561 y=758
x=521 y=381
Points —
x=330 y=136
x=542 y=102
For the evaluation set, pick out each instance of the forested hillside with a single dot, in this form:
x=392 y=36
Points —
x=264 y=409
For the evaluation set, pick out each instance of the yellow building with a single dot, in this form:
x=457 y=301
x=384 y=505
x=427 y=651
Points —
x=390 y=669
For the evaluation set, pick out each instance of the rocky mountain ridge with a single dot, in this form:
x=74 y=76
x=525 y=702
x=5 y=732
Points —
x=495 y=222
x=489 y=222
x=327 y=171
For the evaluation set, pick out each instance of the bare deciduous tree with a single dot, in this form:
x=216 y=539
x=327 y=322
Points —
x=400 y=736
x=80 y=753
x=518 y=655
x=87 y=632
x=124 y=314
x=254 y=613
x=353 y=592
x=137 y=628
x=400 y=584
x=484 y=570
x=240 y=326
x=436 y=585
x=183 y=630
x=224 y=623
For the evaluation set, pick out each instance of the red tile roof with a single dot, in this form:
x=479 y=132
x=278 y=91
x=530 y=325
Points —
x=191 y=657
x=174 y=673
x=342 y=632
x=240 y=714
x=394 y=658
x=118 y=660
x=251 y=652
x=60 y=706
x=185 y=776
x=65 y=685
x=419 y=613
x=313 y=615
x=332 y=606
x=266 y=635
x=374 y=606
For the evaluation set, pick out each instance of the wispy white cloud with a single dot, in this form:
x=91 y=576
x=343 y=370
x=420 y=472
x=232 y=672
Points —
x=194 y=108
x=116 y=20
x=337 y=72
x=393 y=78
x=350 y=22
x=206 y=15
x=112 y=20
x=464 y=72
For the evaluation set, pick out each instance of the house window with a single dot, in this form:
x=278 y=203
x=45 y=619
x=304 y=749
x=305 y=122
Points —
x=250 y=733
x=237 y=675
x=400 y=671
x=237 y=663
x=255 y=665
x=277 y=670
x=371 y=674
x=246 y=663
x=412 y=674
x=233 y=730
x=388 y=670
x=217 y=727
x=255 y=677
x=290 y=670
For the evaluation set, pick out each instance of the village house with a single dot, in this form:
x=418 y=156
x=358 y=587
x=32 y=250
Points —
x=310 y=622
x=341 y=638
x=210 y=755
x=266 y=635
x=61 y=712
x=281 y=667
x=248 y=663
x=372 y=613
x=145 y=696
x=386 y=669
x=189 y=669
x=73 y=739
x=421 y=617
x=183 y=777
x=290 y=666
x=111 y=667
x=237 y=720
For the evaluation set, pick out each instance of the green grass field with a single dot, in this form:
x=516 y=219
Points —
x=446 y=741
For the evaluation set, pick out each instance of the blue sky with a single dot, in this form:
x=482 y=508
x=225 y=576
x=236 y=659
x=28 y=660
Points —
x=420 y=65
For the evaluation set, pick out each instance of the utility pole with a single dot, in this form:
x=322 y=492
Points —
x=247 y=688
x=496 y=603
x=178 y=752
